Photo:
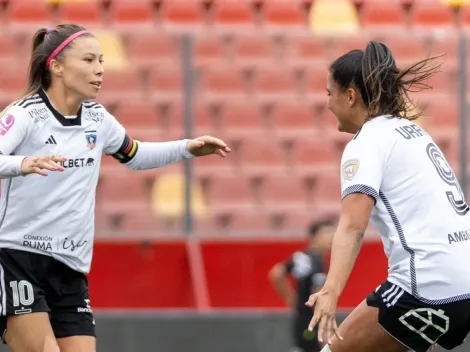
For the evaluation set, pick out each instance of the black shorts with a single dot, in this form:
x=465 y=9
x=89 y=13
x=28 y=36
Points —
x=305 y=340
x=418 y=325
x=33 y=283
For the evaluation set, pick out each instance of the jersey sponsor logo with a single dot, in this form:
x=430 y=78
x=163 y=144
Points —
x=43 y=243
x=95 y=116
x=72 y=245
x=90 y=139
x=39 y=115
x=457 y=237
x=6 y=123
x=350 y=169
x=79 y=162
x=428 y=323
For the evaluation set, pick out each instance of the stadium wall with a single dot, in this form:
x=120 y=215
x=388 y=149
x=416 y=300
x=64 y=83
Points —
x=180 y=332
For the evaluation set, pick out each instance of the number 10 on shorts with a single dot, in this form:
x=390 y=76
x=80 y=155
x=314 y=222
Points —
x=23 y=295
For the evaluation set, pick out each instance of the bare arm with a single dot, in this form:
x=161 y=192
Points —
x=347 y=241
x=278 y=277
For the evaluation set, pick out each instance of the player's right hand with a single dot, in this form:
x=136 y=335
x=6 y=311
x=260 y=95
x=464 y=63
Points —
x=39 y=164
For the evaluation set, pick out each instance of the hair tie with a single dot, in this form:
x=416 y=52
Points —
x=49 y=30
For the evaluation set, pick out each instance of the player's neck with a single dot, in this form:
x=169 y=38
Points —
x=65 y=104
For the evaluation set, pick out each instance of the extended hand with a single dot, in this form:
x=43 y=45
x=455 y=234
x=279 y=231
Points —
x=324 y=315
x=207 y=145
x=39 y=164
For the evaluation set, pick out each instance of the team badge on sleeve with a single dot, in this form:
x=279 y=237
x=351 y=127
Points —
x=6 y=123
x=349 y=169
x=91 y=139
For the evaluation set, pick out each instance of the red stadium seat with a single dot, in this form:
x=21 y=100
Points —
x=121 y=189
x=432 y=15
x=282 y=13
x=441 y=114
x=223 y=81
x=12 y=82
x=208 y=49
x=31 y=12
x=136 y=14
x=144 y=224
x=123 y=84
x=183 y=13
x=166 y=82
x=388 y=15
x=253 y=48
x=275 y=81
x=249 y=221
x=293 y=119
x=240 y=119
x=8 y=48
x=281 y=192
x=233 y=13
x=88 y=14
x=405 y=48
x=137 y=115
x=315 y=80
x=258 y=156
x=149 y=49
x=341 y=45
x=227 y=192
x=327 y=188
x=314 y=154
x=305 y=47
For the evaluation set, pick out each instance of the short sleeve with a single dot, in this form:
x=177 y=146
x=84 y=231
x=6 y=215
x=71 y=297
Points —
x=116 y=134
x=362 y=168
x=14 y=126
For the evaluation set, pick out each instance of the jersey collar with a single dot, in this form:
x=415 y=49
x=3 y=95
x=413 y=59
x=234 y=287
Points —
x=63 y=121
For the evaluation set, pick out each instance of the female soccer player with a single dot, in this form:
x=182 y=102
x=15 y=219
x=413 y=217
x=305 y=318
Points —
x=47 y=223
x=394 y=173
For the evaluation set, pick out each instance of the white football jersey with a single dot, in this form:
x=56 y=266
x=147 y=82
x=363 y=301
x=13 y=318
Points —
x=54 y=215
x=420 y=209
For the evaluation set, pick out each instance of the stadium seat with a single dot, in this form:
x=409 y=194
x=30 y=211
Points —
x=131 y=15
x=315 y=80
x=383 y=15
x=314 y=154
x=271 y=82
x=88 y=14
x=223 y=81
x=253 y=48
x=259 y=156
x=121 y=189
x=441 y=114
x=209 y=49
x=432 y=15
x=144 y=224
x=228 y=192
x=182 y=13
x=166 y=82
x=233 y=14
x=113 y=50
x=149 y=48
x=337 y=17
x=248 y=222
x=341 y=45
x=281 y=192
x=8 y=52
x=405 y=48
x=293 y=119
x=241 y=119
x=32 y=13
x=327 y=188
x=305 y=47
x=168 y=197
x=282 y=13
x=12 y=82
x=137 y=114
x=124 y=84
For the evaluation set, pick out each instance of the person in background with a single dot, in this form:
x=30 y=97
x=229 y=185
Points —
x=308 y=269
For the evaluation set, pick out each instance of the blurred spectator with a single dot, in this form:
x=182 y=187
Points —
x=308 y=269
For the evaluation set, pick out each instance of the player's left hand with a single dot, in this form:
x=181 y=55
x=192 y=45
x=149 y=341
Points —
x=324 y=314
x=207 y=145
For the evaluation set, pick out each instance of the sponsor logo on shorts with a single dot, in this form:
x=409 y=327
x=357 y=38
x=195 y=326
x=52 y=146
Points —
x=86 y=309
x=6 y=123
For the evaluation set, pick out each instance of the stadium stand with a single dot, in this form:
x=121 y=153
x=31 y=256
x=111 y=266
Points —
x=259 y=80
